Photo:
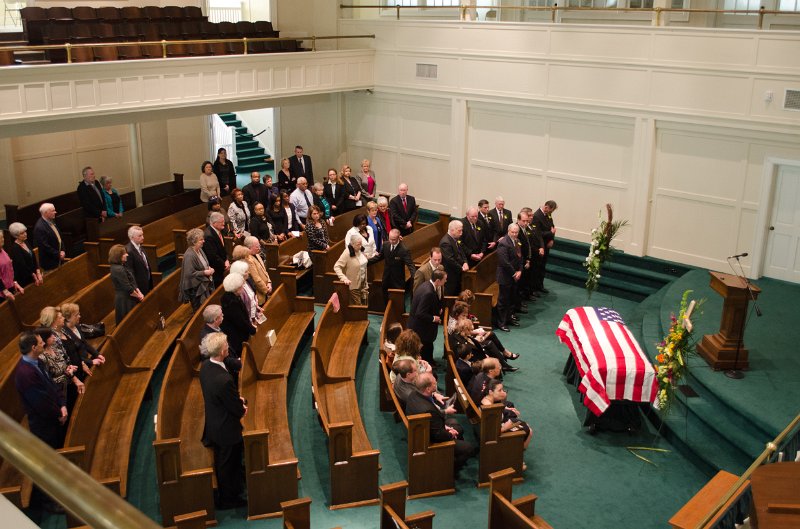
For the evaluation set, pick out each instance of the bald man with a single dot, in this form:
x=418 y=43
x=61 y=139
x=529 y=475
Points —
x=403 y=209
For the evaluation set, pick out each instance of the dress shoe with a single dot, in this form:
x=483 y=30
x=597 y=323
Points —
x=514 y=317
x=510 y=369
x=522 y=310
x=512 y=356
x=514 y=323
x=504 y=328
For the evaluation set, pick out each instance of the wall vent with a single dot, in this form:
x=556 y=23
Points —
x=427 y=71
x=790 y=102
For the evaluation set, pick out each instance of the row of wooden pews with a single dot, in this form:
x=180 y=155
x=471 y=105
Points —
x=184 y=465
x=482 y=281
x=101 y=428
x=353 y=463
x=430 y=465
x=496 y=450
x=507 y=513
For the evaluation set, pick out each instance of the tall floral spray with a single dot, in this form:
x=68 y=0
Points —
x=601 y=249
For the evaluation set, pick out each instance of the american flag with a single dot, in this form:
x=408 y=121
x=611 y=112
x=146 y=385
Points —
x=610 y=362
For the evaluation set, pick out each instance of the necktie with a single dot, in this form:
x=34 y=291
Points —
x=144 y=259
x=302 y=164
x=392 y=249
x=305 y=196
x=405 y=206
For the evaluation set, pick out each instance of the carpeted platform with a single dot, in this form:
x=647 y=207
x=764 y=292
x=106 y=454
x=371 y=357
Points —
x=582 y=481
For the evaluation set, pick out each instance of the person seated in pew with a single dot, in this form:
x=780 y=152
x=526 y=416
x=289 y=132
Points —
x=405 y=374
x=113 y=201
x=26 y=267
x=236 y=322
x=361 y=229
x=464 y=363
x=466 y=296
x=441 y=428
x=261 y=226
x=126 y=293
x=326 y=213
x=209 y=184
x=392 y=333
x=490 y=369
x=9 y=287
x=239 y=214
x=212 y=316
x=351 y=269
x=53 y=318
x=407 y=346
x=481 y=347
x=222 y=432
x=48 y=238
x=80 y=352
x=460 y=311
x=197 y=281
x=240 y=266
x=496 y=394
x=317 y=230
x=257 y=269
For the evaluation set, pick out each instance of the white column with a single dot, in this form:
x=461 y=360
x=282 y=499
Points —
x=459 y=126
x=644 y=140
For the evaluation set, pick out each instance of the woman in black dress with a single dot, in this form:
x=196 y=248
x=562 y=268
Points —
x=26 y=268
x=278 y=218
x=261 y=226
x=226 y=173
x=286 y=181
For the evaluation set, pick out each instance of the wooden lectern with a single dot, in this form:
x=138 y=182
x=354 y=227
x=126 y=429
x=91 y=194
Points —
x=719 y=350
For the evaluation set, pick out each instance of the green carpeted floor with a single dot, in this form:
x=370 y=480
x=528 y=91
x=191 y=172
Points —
x=582 y=481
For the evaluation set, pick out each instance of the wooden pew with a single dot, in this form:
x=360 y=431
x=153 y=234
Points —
x=496 y=450
x=296 y=513
x=353 y=463
x=117 y=228
x=101 y=429
x=505 y=513
x=184 y=467
x=430 y=465
x=160 y=232
x=482 y=281
x=270 y=462
x=14 y=485
x=60 y=285
x=393 y=509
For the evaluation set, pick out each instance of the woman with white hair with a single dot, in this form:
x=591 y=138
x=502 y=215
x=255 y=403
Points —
x=351 y=267
x=7 y=283
x=26 y=267
x=196 y=274
x=242 y=267
x=236 y=323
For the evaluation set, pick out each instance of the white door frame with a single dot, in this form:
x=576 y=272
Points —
x=761 y=231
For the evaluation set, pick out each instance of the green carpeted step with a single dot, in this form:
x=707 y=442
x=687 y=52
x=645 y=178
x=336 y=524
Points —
x=249 y=151
x=247 y=144
x=240 y=130
x=644 y=263
x=576 y=277
x=251 y=158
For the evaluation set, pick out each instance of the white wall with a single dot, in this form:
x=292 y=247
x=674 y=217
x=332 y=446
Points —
x=261 y=119
x=315 y=123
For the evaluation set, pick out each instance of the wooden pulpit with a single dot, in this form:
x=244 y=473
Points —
x=776 y=499
x=719 y=349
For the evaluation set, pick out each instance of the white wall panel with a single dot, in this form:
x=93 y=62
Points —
x=779 y=52
x=579 y=204
x=707 y=93
x=427 y=178
x=605 y=44
x=425 y=128
x=717 y=49
x=508 y=77
x=511 y=139
x=519 y=188
x=595 y=150
x=598 y=84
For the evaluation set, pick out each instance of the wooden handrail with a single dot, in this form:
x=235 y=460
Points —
x=765 y=455
x=166 y=43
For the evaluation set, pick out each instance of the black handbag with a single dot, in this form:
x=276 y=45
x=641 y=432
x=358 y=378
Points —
x=92 y=331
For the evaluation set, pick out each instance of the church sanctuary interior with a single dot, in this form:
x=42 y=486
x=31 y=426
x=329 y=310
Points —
x=680 y=116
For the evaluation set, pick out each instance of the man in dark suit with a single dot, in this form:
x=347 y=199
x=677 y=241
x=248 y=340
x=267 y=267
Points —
x=522 y=292
x=91 y=196
x=48 y=238
x=499 y=219
x=472 y=242
x=463 y=364
x=255 y=192
x=483 y=222
x=45 y=407
x=543 y=220
x=403 y=210
x=214 y=247
x=426 y=313
x=442 y=429
x=224 y=409
x=537 y=253
x=300 y=165
x=453 y=258
x=509 y=272
x=425 y=271
x=490 y=369
x=396 y=259
x=137 y=261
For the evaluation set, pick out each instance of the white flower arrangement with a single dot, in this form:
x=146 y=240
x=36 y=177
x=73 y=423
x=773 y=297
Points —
x=600 y=248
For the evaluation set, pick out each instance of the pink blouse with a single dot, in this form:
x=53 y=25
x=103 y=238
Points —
x=6 y=270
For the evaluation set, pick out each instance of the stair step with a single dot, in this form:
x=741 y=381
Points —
x=578 y=277
x=250 y=151
x=247 y=144
x=256 y=158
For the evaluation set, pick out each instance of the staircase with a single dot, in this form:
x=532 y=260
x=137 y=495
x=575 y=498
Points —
x=250 y=154
x=623 y=275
